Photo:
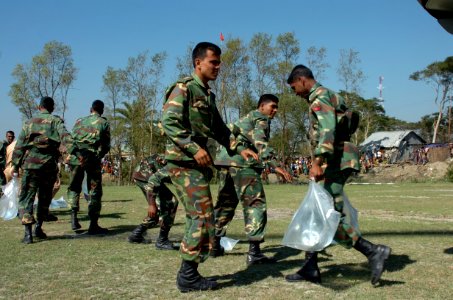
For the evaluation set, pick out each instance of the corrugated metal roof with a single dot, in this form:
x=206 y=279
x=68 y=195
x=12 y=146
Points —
x=386 y=139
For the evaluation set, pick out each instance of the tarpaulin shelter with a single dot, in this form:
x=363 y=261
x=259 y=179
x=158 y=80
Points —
x=398 y=144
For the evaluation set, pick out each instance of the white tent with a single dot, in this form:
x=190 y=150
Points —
x=401 y=144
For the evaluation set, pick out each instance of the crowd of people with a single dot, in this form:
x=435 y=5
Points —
x=190 y=117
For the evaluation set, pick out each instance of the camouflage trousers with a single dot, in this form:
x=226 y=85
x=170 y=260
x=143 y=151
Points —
x=242 y=184
x=94 y=187
x=36 y=181
x=167 y=204
x=3 y=180
x=333 y=182
x=192 y=187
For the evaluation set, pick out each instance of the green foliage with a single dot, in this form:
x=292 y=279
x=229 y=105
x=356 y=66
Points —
x=438 y=75
x=50 y=73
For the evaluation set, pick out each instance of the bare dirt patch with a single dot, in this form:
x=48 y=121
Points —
x=405 y=172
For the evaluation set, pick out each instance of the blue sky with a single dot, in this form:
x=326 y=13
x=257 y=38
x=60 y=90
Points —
x=393 y=38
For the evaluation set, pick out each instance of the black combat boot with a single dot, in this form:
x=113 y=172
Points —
x=74 y=220
x=28 y=237
x=376 y=254
x=137 y=235
x=94 y=228
x=309 y=271
x=38 y=230
x=217 y=249
x=188 y=279
x=255 y=256
x=51 y=218
x=163 y=243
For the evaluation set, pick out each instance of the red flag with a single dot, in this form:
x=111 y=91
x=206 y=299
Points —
x=221 y=37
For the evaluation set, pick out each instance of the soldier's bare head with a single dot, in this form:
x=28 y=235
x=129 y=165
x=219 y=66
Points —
x=47 y=103
x=201 y=49
x=97 y=106
x=299 y=71
x=206 y=61
x=301 y=80
x=268 y=105
x=10 y=136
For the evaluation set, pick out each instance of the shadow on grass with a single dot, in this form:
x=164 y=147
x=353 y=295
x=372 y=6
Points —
x=260 y=272
x=407 y=233
x=335 y=276
x=120 y=229
x=340 y=277
x=383 y=233
x=448 y=250
x=120 y=200
x=111 y=215
x=398 y=262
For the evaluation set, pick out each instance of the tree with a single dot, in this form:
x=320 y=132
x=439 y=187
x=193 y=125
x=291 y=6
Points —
x=290 y=114
x=141 y=84
x=316 y=61
x=21 y=93
x=50 y=73
x=232 y=84
x=113 y=87
x=184 y=64
x=349 y=72
x=439 y=75
x=262 y=57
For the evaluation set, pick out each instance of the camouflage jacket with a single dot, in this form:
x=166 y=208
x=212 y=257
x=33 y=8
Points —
x=147 y=167
x=91 y=134
x=328 y=139
x=253 y=131
x=3 y=146
x=39 y=141
x=189 y=118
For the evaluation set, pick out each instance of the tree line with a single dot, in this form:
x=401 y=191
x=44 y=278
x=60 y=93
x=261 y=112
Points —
x=134 y=93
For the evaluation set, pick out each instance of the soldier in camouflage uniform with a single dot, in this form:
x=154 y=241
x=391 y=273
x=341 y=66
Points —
x=241 y=179
x=36 y=152
x=190 y=117
x=151 y=176
x=335 y=158
x=3 y=180
x=92 y=136
x=3 y=146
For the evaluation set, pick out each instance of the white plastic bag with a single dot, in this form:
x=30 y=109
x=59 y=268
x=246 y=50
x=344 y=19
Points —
x=9 y=201
x=228 y=243
x=58 y=203
x=351 y=214
x=315 y=222
x=85 y=191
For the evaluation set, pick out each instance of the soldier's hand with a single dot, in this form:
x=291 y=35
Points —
x=13 y=172
x=316 y=172
x=203 y=158
x=247 y=153
x=81 y=160
x=152 y=211
x=285 y=175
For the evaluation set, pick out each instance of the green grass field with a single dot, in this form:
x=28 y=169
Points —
x=415 y=219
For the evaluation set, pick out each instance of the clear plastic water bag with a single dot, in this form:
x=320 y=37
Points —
x=314 y=224
x=9 y=201
x=227 y=243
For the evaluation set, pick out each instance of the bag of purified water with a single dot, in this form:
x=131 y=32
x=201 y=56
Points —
x=315 y=222
x=58 y=203
x=228 y=243
x=9 y=201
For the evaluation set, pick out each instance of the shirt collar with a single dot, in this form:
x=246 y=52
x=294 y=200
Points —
x=311 y=94
x=198 y=80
